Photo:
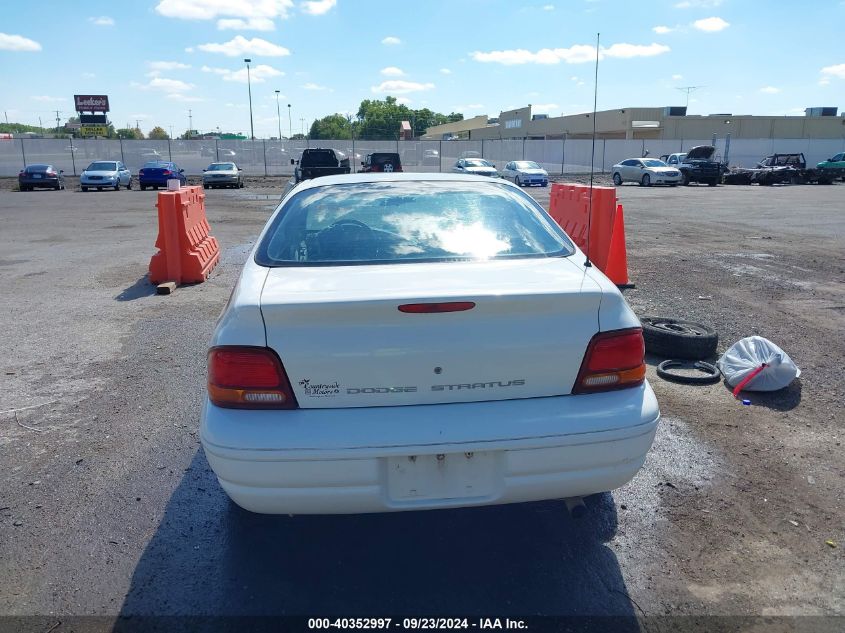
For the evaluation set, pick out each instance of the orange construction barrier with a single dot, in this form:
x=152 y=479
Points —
x=569 y=205
x=187 y=253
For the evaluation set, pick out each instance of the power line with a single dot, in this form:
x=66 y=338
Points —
x=688 y=89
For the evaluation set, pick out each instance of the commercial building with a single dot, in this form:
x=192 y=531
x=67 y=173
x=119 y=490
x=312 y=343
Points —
x=642 y=123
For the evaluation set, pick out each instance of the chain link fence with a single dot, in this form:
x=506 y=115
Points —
x=273 y=158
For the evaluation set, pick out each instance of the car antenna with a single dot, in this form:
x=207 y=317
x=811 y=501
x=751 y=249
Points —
x=593 y=151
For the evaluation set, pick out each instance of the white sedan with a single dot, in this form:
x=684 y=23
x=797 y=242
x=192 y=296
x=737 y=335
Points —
x=646 y=172
x=415 y=341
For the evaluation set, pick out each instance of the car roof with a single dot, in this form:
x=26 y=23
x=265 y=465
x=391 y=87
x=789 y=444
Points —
x=346 y=179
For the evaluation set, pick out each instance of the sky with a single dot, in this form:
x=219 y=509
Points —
x=158 y=59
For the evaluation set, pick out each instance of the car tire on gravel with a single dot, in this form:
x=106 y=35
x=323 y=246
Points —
x=646 y=181
x=674 y=338
x=617 y=179
x=710 y=376
x=685 y=181
x=84 y=188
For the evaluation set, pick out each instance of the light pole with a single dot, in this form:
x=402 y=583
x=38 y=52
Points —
x=278 y=115
x=249 y=88
x=290 y=125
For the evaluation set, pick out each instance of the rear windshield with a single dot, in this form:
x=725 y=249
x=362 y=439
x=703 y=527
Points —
x=221 y=167
x=102 y=166
x=416 y=221
x=156 y=164
x=33 y=168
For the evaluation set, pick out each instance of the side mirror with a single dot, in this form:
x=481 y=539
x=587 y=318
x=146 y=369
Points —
x=642 y=166
x=239 y=169
x=292 y=162
x=181 y=171
x=362 y=162
x=61 y=171
x=204 y=170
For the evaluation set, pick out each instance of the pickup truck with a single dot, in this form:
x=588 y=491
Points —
x=696 y=165
x=318 y=162
x=783 y=168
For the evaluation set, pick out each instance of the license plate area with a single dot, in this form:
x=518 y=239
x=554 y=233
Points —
x=443 y=477
x=36 y=175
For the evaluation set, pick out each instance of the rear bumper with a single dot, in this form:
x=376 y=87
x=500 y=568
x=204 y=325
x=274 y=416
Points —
x=39 y=182
x=334 y=461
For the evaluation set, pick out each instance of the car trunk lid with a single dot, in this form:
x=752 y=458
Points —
x=345 y=343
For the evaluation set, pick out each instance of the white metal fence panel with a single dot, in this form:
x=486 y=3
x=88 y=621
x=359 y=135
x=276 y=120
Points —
x=273 y=158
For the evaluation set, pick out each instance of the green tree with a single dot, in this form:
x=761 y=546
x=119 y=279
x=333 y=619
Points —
x=334 y=126
x=158 y=134
x=131 y=133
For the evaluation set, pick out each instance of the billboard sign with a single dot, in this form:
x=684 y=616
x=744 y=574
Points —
x=91 y=103
x=94 y=130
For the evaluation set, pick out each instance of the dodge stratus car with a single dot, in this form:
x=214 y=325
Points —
x=416 y=341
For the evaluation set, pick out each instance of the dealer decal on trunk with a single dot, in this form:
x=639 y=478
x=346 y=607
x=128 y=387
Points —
x=319 y=389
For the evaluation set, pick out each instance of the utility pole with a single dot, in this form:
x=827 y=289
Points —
x=249 y=88
x=171 y=131
x=6 y=114
x=57 y=122
x=290 y=125
x=302 y=125
x=190 y=123
x=278 y=115
x=688 y=89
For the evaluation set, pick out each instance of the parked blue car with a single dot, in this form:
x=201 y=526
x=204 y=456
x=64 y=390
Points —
x=156 y=173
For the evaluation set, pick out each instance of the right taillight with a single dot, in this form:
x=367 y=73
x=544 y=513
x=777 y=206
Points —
x=241 y=377
x=614 y=360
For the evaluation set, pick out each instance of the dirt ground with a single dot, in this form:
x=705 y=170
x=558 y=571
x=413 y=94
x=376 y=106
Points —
x=108 y=506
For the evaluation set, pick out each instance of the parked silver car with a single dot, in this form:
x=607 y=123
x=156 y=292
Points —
x=525 y=173
x=105 y=173
x=222 y=175
x=476 y=167
x=646 y=172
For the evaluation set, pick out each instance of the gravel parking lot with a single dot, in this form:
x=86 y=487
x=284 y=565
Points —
x=108 y=505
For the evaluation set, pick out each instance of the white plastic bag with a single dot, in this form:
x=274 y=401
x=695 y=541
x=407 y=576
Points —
x=748 y=355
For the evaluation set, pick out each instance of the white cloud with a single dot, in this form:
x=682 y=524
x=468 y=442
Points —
x=190 y=49
x=398 y=86
x=770 y=90
x=317 y=7
x=18 y=43
x=677 y=77
x=48 y=99
x=211 y=9
x=662 y=30
x=392 y=71
x=835 y=71
x=239 y=46
x=698 y=4
x=390 y=40
x=88 y=75
x=183 y=98
x=445 y=71
x=168 y=65
x=576 y=54
x=257 y=74
x=251 y=24
x=102 y=21
x=313 y=86
x=166 y=85
x=711 y=25
x=548 y=7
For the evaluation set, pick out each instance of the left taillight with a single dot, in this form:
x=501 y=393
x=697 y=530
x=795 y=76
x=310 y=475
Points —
x=614 y=360
x=242 y=377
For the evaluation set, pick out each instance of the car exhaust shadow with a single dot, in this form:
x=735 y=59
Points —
x=210 y=558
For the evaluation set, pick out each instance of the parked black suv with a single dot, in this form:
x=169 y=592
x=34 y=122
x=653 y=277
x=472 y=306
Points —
x=319 y=162
x=381 y=162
